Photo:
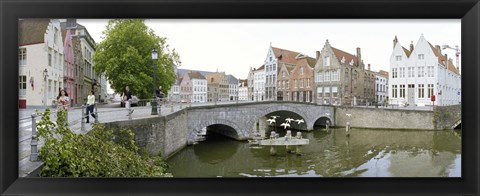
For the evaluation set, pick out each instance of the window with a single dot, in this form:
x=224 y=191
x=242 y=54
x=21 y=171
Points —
x=274 y=67
x=398 y=58
x=22 y=56
x=319 y=92
x=394 y=91
x=308 y=82
x=50 y=88
x=327 y=76
x=22 y=87
x=295 y=84
x=421 y=71
x=326 y=61
x=301 y=83
x=270 y=58
x=283 y=73
x=411 y=72
x=402 y=72
x=334 y=91
x=430 y=71
x=430 y=90
x=421 y=56
x=49 y=57
x=320 y=76
x=301 y=70
x=402 y=90
x=421 y=91
x=394 y=73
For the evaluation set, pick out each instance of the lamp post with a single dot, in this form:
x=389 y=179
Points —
x=154 y=101
x=45 y=75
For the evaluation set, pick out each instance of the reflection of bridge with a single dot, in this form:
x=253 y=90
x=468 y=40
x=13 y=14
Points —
x=244 y=117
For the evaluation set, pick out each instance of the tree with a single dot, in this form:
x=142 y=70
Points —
x=124 y=56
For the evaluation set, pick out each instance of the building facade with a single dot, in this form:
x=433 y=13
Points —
x=243 y=90
x=341 y=78
x=301 y=79
x=284 y=89
x=381 y=86
x=186 y=89
x=69 y=66
x=420 y=72
x=250 y=84
x=218 y=86
x=259 y=84
x=232 y=88
x=276 y=57
x=41 y=61
x=199 y=85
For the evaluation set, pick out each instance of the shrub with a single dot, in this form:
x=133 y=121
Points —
x=94 y=154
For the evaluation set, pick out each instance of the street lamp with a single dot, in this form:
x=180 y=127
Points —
x=154 y=101
x=45 y=75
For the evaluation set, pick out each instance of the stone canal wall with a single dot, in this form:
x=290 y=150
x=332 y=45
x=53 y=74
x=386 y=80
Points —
x=384 y=118
x=159 y=135
x=446 y=116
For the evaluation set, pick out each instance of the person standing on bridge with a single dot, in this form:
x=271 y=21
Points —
x=90 y=105
x=127 y=97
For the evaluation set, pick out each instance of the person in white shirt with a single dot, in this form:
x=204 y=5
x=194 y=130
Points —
x=90 y=105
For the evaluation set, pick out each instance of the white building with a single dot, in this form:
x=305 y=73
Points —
x=421 y=72
x=243 y=90
x=381 y=86
x=41 y=61
x=232 y=88
x=199 y=87
x=259 y=84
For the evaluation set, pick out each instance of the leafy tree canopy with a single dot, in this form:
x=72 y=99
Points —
x=125 y=57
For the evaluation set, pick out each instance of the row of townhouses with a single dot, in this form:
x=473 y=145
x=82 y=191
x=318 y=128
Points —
x=203 y=86
x=341 y=78
x=56 y=54
x=332 y=77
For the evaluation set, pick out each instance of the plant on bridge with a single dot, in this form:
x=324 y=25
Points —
x=125 y=57
x=98 y=153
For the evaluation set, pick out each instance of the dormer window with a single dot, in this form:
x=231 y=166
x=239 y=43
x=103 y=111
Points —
x=343 y=60
x=351 y=62
x=301 y=70
x=398 y=58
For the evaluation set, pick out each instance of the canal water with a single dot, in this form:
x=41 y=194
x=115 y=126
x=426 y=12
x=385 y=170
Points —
x=366 y=153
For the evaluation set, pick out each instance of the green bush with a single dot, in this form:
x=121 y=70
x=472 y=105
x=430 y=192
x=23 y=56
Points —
x=94 y=154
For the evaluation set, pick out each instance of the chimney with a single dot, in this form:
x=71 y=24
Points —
x=395 y=41
x=411 y=46
x=359 y=56
x=318 y=54
x=438 y=48
x=368 y=67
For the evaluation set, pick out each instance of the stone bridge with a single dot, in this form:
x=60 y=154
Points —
x=244 y=118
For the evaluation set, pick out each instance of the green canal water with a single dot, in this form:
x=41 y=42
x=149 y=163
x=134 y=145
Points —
x=366 y=153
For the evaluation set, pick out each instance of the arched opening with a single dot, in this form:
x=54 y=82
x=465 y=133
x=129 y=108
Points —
x=215 y=132
x=322 y=122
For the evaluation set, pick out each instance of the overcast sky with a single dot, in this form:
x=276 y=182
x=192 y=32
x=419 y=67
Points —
x=234 y=46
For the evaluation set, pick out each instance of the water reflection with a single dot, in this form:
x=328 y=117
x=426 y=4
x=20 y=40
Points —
x=366 y=153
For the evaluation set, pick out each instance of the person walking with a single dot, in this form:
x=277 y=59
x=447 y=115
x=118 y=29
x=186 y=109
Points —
x=127 y=98
x=90 y=105
x=63 y=101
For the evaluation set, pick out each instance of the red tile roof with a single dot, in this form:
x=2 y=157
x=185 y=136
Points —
x=285 y=56
x=407 y=52
x=348 y=57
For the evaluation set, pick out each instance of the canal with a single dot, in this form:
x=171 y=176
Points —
x=366 y=153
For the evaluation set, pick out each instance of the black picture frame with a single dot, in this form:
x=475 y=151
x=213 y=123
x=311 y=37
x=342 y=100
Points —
x=466 y=10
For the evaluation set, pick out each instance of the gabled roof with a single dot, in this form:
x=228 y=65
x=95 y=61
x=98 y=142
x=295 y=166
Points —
x=261 y=67
x=217 y=77
x=348 y=57
x=32 y=31
x=452 y=67
x=184 y=71
x=196 y=75
x=286 y=56
x=407 y=52
x=232 y=79
x=383 y=73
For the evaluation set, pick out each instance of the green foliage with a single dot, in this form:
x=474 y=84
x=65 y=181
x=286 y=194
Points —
x=95 y=154
x=125 y=56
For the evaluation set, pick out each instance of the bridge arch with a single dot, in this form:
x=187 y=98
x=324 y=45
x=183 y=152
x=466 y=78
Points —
x=239 y=132
x=322 y=121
